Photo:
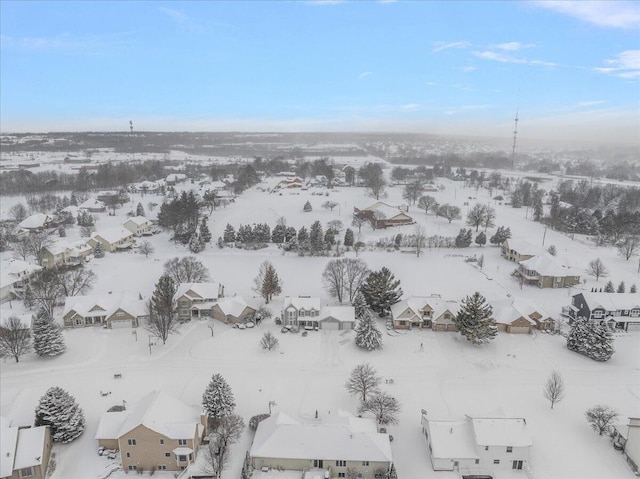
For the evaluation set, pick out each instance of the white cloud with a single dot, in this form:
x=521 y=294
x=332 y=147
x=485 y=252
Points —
x=411 y=107
x=615 y=14
x=625 y=64
x=364 y=75
x=514 y=46
x=497 y=57
x=440 y=46
x=584 y=104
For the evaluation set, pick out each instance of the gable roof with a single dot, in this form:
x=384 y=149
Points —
x=612 y=301
x=233 y=306
x=416 y=303
x=138 y=220
x=92 y=203
x=83 y=305
x=30 y=447
x=8 y=444
x=209 y=290
x=35 y=221
x=280 y=436
x=506 y=311
x=302 y=302
x=341 y=313
x=523 y=246
x=452 y=439
x=547 y=265
x=113 y=235
x=501 y=432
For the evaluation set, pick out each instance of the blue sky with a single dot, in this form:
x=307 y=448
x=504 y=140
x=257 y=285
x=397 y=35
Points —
x=570 y=69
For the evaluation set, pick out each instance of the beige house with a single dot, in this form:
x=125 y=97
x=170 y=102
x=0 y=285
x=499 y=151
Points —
x=110 y=311
x=160 y=433
x=326 y=448
x=545 y=271
x=113 y=239
x=517 y=250
x=138 y=225
x=25 y=451
x=425 y=312
x=232 y=310
x=37 y=222
x=632 y=446
x=306 y=312
x=383 y=215
x=64 y=255
x=195 y=300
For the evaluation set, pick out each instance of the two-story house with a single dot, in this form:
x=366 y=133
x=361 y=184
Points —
x=64 y=255
x=618 y=310
x=37 y=222
x=25 y=452
x=301 y=311
x=477 y=445
x=545 y=271
x=425 y=312
x=195 y=300
x=160 y=433
x=15 y=276
x=516 y=250
x=113 y=239
x=138 y=225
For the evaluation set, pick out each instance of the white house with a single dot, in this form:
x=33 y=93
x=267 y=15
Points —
x=15 y=275
x=138 y=225
x=632 y=447
x=92 y=205
x=307 y=312
x=113 y=239
x=330 y=445
x=477 y=445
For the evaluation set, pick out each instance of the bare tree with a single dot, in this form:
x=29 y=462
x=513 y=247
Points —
x=75 y=281
x=600 y=417
x=18 y=212
x=217 y=452
x=45 y=292
x=32 y=245
x=267 y=283
x=554 y=388
x=186 y=270
x=420 y=236
x=333 y=278
x=21 y=249
x=449 y=212
x=481 y=261
x=329 y=205
x=363 y=380
x=427 y=203
x=343 y=277
x=375 y=217
x=15 y=338
x=383 y=406
x=147 y=248
x=489 y=217
x=269 y=342
x=356 y=272
x=598 y=269
x=629 y=247
x=358 y=222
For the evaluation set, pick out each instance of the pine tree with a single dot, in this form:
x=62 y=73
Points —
x=98 y=250
x=217 y=398
x=47 y=336
x=229 y=234
x=247 y=469
x=360 y=305
x=475 y=321
x=348 y=237
x=381 y=290
x=316 y=237
x=602 y=342
x=303 y=236
x=591 y=339
x=162 y=317
x=58 y=409
x=621 y=287
x=278 y=234
x=500 y=235
x=464 y=238
x=307 y=207
x=368 y=336
x=196 y=244
x=481 y=239
x=633 y=289
x=608 y=288
x=140 y=210
x=267 y=283
x=205 y=234
x=538 y=209
x=74 y=200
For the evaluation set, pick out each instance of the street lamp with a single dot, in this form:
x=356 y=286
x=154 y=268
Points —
x=271 y=403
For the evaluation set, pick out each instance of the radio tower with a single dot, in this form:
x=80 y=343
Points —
x=513 y=150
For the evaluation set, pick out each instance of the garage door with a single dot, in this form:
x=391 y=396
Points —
x=519 y=329
x=633 y=326
x=330 y=325
x=440 y=327
x=121 y=323
x=452 y=327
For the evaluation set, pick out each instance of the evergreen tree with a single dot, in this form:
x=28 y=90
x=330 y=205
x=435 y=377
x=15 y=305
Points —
x=303 y=236
x=58 y=409
x=316 y=237
x=162 y=318
x=307 y=207
x=267 y=283
x=196 y=244
x=621 y=287
x=368 y=336
x=47 y=336
x=608 y=288
x=139 y=210
x=348 y=237
x=74 y=200
x=290 y=234
x=360 y=305
x=537 y=208
x=591 y=339
x=205 y=234
x=247 y=469
x=464 y=238
x=481 y=239
x=62 y=232
x=217 y=398
x=229 y=234
x=633 y=289
x=500 y=235
x=98 y=250
x=278 y=234
x=245 y=234
x=475 y=321
x=381 y=290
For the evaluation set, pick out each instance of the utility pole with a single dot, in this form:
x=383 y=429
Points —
x=513 y=150
x=133 y=153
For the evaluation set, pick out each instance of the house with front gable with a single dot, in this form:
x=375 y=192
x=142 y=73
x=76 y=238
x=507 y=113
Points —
x=545 y=271
x=64 y=255
x=37 y=222
x=232 y=310
x=93 y=206
x=138 y=225
x=24 y=452
x=476 y=446
x=510 y=317
x=113 y=239
x=300 y=311
x=160 y=433
x=516 y=250
x=327 y=447
x=196 y=300
x=109 y=311
x=618 y=310
x=382 y=215
x=425 y=312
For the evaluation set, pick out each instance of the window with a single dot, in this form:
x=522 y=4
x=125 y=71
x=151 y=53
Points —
x=131 y=442
x=26 y=472
x=341 y=474
x=182 y=442
x=509 y=448
x=167 y=454
x=182 y=458
x=120 y=314
x=133 y=467
x=341 y=463
x=161 y=467
x=486 y=448
x=477 y=461
x=161 y=441
x=301 y=313
x=365 y=463
x=496 y=461
x=128 y=454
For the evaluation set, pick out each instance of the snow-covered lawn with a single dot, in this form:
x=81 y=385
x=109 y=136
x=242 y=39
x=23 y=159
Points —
x=448 y=378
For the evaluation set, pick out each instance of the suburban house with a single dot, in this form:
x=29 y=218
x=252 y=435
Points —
x=232 y=310
x=545 y=271
x=288 y=183
x=160 y=433
x=113 y=197
x=632 y=445
x=15 y=276
x=517 y=250
x=328 y=446
x=425 y=312
x=25 y=451
x=618 y=310
x=110 y=311
x=475 y=446
x=337 y=317
x=64 y=255
x=306 y=312
x=175 y=178
x=37 y=222
x=93 y=206
x=113 y=239
x=138 y=225
x=383 y=215
x=147 y=187
x=511 y=318
x=195 y=300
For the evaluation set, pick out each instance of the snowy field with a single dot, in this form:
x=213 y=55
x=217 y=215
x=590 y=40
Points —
x=448 y=378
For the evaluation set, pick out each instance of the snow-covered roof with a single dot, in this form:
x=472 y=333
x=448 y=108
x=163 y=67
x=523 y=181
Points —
x=218 y=184
x=14 y=269
x=113 y=235
x=8 y=443
x=110 y=424
x=280 y=436
x=30 y=447
x=302 y=302
x=163 y=414
x=523 y=246
x=25 y=317
x=506 y=311
x=138 y=220
x=341 y=313
x=501 y=432
x=612 y=301
x=233 y=306
x=35 y=221
x=452 y=439
x=92 y=203
x=416 y=303
x=209 y=290
x=83 y=305
x=547 y=265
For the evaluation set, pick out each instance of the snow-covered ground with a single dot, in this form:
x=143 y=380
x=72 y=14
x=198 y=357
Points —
x=448 y=378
